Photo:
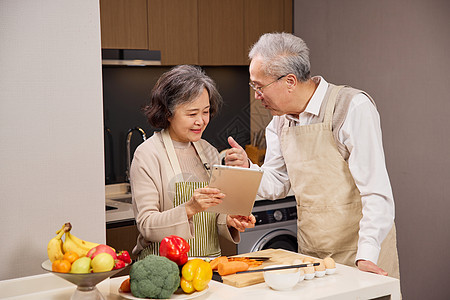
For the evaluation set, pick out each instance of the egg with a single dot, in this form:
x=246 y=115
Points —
x=308 y=259
x=320 y=267
x=309 y=270
x=309 y=273
x=329 y=263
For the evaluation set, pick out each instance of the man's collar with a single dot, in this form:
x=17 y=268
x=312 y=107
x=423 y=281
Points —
x=314 y=104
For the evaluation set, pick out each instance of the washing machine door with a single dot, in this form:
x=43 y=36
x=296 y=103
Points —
x=277 y=239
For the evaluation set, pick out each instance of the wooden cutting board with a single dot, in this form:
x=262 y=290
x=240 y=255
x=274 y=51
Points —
x=277 y=256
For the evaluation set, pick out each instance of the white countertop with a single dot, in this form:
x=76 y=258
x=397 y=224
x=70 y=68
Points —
x=347 y=283
x=117 y=196
x=123 y=212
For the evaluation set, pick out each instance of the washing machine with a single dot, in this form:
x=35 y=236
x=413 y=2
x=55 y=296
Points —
x=276 y=227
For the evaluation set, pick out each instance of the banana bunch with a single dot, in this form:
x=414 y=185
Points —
x=56 y=247
x=81 y=247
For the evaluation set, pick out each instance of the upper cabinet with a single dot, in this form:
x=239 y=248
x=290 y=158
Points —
x=263 y=16
x=221 y=32
x=173 y=29
x=203 y=32
x=124 y=24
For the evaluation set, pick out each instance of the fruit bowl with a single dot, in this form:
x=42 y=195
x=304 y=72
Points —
x=86 y=283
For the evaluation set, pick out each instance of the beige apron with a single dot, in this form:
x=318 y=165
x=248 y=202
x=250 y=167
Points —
x=206 y=237
x=328 y=201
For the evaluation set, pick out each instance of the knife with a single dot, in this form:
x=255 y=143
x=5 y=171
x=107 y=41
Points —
x=279 y=268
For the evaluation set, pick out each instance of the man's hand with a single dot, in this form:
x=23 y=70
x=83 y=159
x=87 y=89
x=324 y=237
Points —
x=241 y=222
x=368 y=266
x=236 y=156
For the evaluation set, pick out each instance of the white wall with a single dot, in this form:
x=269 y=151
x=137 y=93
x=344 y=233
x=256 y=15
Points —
x=51 y=128
x=398 y=51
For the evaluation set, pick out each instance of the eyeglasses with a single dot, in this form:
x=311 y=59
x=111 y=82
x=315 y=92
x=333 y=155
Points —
x=258 y=89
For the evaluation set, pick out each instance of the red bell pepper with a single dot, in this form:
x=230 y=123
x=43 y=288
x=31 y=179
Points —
x=174 y=248
x=124 y=256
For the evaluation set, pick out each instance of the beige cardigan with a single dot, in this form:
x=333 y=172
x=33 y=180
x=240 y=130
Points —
x=153 y=190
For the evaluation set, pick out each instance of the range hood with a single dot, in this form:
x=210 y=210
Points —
x=129 y=57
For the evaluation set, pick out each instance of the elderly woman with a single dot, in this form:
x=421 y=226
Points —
x=170 y=170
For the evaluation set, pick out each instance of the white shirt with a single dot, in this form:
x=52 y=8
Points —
x=361 y=134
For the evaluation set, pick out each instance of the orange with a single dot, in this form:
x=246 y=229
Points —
x=61 y=266
x=71 y=256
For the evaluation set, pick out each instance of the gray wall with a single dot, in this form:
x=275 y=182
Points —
x=398 y=51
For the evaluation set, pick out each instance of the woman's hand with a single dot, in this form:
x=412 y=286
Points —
x=202 y=199
x=236 y=156
x=241 y=222
x=368 y=266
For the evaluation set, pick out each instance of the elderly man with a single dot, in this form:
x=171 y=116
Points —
x=325 y=143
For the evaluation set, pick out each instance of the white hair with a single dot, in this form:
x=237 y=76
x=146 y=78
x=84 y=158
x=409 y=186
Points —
x=282 y=54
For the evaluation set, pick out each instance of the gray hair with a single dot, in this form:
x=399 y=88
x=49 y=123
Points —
x=282 y=54
x=182 y=84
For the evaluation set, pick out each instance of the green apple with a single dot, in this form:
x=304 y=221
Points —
x=102 y=262
x=81 y=265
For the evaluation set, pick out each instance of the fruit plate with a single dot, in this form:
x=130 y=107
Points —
x=179 y=294
x=81 y=280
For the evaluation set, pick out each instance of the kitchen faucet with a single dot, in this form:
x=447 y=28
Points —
x=129 y=134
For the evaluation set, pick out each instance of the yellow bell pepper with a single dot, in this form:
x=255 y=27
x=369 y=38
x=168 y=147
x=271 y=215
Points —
x=195 y=275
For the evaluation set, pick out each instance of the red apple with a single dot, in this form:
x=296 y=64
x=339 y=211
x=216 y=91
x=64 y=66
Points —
x=101 y=249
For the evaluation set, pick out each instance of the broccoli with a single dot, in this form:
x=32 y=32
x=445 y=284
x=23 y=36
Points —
x=154 y=277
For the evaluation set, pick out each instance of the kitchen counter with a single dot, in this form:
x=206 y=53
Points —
x=121 y=212
x=118 y=203
x=347 y=283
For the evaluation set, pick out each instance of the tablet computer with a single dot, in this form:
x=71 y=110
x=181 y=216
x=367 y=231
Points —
x=239 y=185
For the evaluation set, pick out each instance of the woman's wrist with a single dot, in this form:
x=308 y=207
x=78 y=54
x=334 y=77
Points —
x=190 y=212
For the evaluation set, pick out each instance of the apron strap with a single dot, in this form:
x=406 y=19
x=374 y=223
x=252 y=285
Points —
x=172 y=155
x=201 y=153
x=328 y=119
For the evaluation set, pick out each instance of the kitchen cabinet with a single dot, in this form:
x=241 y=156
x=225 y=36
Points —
x=124 y=24
x=221 y=32
x=122 y=236
x=173 y=30
x=202 y=32
x=263 y=16
x=227 y=29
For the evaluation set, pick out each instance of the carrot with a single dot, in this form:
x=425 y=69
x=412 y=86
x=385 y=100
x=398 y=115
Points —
x=232 y=267
x=216 y=261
